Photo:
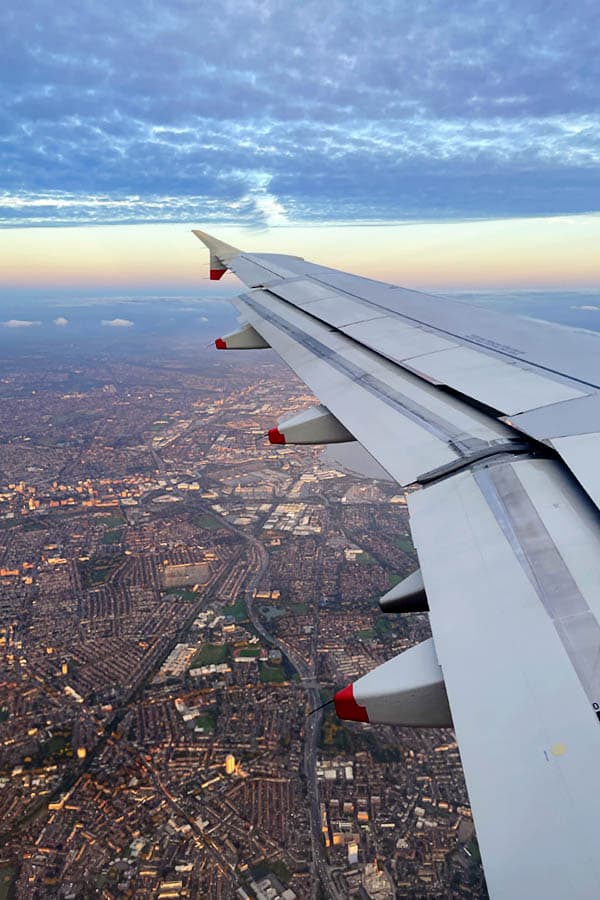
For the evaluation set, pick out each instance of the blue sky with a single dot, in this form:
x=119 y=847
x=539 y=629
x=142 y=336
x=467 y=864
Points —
x=265 y=113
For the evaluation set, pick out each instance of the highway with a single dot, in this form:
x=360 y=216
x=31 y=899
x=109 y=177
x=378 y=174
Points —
x=309 y=683
x=313 y=722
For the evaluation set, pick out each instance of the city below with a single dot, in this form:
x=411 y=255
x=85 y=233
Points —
x=178 y=598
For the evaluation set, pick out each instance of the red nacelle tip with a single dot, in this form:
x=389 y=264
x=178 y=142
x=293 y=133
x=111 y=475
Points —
x=220 y=344
x=215 y=274
x=346 y=706
x=276 y=437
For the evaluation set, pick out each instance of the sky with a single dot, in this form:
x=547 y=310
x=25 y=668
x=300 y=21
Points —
x=441 y=145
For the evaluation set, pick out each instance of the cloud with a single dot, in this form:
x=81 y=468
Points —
x=117 y=323
x=20 y=323
x=587 y=308
x=60 y=320
x=424 y=111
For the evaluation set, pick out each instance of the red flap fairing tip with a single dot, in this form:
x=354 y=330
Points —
x=346 y=706
x=276 y=437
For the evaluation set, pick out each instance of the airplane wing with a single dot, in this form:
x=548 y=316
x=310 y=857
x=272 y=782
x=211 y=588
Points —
x=492 y=424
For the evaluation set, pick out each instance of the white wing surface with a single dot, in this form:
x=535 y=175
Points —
x=494 y=423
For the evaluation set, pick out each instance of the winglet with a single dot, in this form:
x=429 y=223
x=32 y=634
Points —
x=220 y=253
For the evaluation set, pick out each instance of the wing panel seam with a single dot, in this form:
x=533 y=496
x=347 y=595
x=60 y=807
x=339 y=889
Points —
x=546 y=570
x=493 y=352
x=434 y=424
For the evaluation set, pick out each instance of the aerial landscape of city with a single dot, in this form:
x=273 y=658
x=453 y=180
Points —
x=196 y=556
x=177 y=597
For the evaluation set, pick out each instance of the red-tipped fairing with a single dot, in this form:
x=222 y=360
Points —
x=406 y=690
x=346 y=706
x=244 y=338
x=276 y=437
x=315 y=425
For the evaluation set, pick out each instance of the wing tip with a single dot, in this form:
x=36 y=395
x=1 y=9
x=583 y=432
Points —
x=221 y=253
x=217 y=247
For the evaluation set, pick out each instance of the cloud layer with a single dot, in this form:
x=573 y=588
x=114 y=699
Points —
x=117 y=323
x=269 y=111
x=20 y=323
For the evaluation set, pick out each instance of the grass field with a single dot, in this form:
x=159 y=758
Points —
x=382 y=625
x=98 y=569
x=209 y=523
x=97 y=575
x=365 y=559
x=403 y=543
x=113 y=520
x=206 y=721
x=184 y=593
x=366 y=634
x=238 y=610
x=334 y=734
x=271 y=674
x=211 y=654
x=298 y=609
x=250 y=652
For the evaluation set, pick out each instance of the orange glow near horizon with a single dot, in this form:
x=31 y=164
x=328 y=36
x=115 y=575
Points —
x=548 y=253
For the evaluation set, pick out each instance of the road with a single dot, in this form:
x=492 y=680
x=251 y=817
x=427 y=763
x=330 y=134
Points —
x=310 y=685
x=313 y=721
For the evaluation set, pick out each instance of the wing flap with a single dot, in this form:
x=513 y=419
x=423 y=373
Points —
x=499 y=384
x=510 y=558
x=581 y=452
x=409 y=426
x=484 y=374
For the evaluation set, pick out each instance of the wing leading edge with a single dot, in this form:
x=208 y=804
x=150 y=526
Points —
x=508 y=540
